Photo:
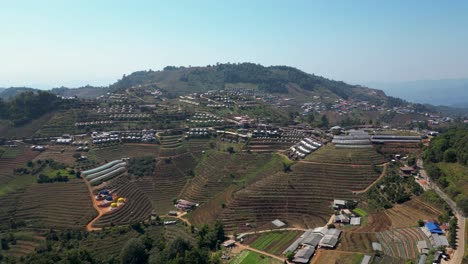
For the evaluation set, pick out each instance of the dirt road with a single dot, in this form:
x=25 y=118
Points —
x=244 y=247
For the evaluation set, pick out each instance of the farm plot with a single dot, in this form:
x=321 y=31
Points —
x=197 y=145
x=218 y=170
x=170 y=141
x=408 y=214
x=268 y=145
x=136 y=208
x=60 y=153
x=20 y=249
x=250 y=257
x=273 y=242
x=109 y=245
x=125 y=151
x=401 y=243
x=171 y=232
x=164 y=186
x=357 y=242
x=301 y=197
x=331 y=154
x=55 y=205
x=12 y=159
x=332 y=257
x=60 y=123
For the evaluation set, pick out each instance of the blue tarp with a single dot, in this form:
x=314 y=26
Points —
x=434 y=228
x=109 y=198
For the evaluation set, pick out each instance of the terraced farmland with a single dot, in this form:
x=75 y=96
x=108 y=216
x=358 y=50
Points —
x=164 y=186
x=218 y=170
x=125 y=151
x=170 y=141
x=401 y=243
x=301 y=197
x=357 y=242
x=331 y=154
x=55 y=205
x=136 y=208
x=111 y=245
x=12 y=159
x=268 y=145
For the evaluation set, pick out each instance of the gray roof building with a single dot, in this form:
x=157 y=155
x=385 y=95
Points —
x=304 y=255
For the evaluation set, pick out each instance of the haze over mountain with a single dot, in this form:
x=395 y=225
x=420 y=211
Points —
x=449 y=92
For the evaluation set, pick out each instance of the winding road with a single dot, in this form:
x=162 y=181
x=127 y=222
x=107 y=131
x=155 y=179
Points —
x=458 y=254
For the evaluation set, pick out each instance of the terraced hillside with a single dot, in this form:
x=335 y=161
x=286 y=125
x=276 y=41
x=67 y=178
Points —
x=301 y=197
x=124 y=151
x=331 y=154
x=218 y=170
x=137 y=206
x=268 y=145
x=166 y=183
x=55 y=205
x=402 y=243
x=14 y=158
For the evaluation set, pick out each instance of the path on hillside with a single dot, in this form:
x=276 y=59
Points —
x=245 y=247
x=384 y=172
x=180 y=217
x=458 y=254
x=89 y=226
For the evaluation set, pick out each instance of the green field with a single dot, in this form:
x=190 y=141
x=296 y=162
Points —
x=274 y=242
x=250 y=257
x=361 y=212
x=9 y=152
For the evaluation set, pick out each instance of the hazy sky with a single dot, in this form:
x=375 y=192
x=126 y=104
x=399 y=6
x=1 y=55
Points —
x=52 y=43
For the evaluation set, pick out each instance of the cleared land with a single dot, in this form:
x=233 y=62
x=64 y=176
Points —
x=357 y=242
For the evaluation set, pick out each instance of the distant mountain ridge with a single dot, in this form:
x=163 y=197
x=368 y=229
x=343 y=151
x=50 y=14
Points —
x=448 y=92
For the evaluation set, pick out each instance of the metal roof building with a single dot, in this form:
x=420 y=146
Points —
x=304 y=255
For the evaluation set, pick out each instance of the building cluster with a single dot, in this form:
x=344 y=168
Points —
x=304 y=247
x=199 y=132
x=114 y=109
x=146 y=136
x=93 y=123
x=185 y=205
x=204 y=118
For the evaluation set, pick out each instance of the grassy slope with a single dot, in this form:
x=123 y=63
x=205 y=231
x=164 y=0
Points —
x=457 y=176
x=27 y=130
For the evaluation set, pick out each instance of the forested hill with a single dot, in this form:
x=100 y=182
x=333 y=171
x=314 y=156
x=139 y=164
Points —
x=273 y=79
x=447 y=163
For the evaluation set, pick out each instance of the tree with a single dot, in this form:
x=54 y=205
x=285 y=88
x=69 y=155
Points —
x=450 y=155
x=420 y=223
x=133 y=252
x=324 y=121
x=289 y=255
x=230 y=150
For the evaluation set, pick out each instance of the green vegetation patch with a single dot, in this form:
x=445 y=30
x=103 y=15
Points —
x=141 y=166
x=250 y=257
x=361 y=212
x=9 y=152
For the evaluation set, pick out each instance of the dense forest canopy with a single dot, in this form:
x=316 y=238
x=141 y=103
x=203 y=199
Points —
x=451 y=146
x=29 y=105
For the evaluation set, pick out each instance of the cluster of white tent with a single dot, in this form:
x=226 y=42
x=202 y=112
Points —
x=105 y=172
x=305 y=147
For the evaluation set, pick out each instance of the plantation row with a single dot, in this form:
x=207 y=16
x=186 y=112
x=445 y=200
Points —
x=8 y=164
x=219 y=170
x=125 y=151
x=307 y=190
x=401 y=243
x=136 y=208
x=164 y=186
x=331 y=154
x=55 y=205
